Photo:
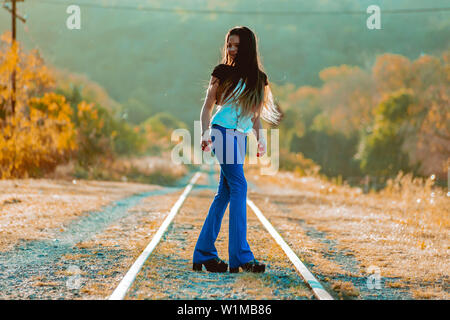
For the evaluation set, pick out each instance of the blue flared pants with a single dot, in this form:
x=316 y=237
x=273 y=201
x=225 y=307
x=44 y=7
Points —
x=229 y=147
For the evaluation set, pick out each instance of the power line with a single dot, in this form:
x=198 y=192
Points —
x=200 y=11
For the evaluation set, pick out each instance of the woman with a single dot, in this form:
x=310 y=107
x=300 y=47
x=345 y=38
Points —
x=241 y=90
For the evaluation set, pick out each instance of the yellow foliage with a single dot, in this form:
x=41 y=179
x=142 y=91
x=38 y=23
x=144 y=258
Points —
x=34 y=144
x=40 y=134
x=33 y=77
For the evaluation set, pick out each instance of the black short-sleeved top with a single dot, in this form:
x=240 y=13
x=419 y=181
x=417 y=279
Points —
x=221 y=71
x=227 y=114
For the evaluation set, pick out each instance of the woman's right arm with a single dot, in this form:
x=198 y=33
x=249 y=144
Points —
x=205 y=114
x=257 y=126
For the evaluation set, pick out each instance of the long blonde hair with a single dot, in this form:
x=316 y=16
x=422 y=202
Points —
x=256 y=98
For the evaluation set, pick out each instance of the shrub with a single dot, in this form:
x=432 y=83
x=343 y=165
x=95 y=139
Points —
x=34 y=144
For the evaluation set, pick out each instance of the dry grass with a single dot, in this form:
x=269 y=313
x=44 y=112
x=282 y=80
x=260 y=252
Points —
x=45 y=284
x=392 y=284
x=146 y=169
x=430 y=293
x=32 y=209
x=253 y=285
x=129 y=235
x=403 y=230
x=68 y=272
x=95 y=290
x=345 y=288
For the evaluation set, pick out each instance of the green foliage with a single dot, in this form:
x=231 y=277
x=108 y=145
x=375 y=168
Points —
x=298 y=163
x=127 y=141
x=136 y=111
x=374 y=122
x=162 y=176
x=154 y=134
x=381 y=151
x=101 y=133
x=321 y=123
x=163 y=122
x=395 y=108
x=332 y=151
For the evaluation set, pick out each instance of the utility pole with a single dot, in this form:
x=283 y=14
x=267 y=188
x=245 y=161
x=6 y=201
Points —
x=14 y=14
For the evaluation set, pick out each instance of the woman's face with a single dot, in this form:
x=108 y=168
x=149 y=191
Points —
x=233 y=45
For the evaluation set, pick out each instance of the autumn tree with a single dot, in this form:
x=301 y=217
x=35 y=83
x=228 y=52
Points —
x=381 y=151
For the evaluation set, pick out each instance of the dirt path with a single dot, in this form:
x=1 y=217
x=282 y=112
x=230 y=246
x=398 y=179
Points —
x=363 y=246
x=39 y=209
x=58 y=247
x=40 y=269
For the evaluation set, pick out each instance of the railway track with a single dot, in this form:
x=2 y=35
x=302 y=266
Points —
x=129 y=279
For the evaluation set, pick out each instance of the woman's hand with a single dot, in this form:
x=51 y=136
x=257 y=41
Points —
x=261 y=148
x=206 y=141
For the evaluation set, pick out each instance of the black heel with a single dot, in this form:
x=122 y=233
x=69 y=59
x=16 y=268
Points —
x=251 y=266
x=213 y=265
x=234 y=270
x=197 y=267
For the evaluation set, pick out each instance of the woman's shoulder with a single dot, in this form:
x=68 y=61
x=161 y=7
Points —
x=221 y=70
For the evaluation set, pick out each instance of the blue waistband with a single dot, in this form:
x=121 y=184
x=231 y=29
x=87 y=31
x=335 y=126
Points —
x=215 y=125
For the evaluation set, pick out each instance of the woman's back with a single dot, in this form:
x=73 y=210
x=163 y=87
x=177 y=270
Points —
x=228 y=112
